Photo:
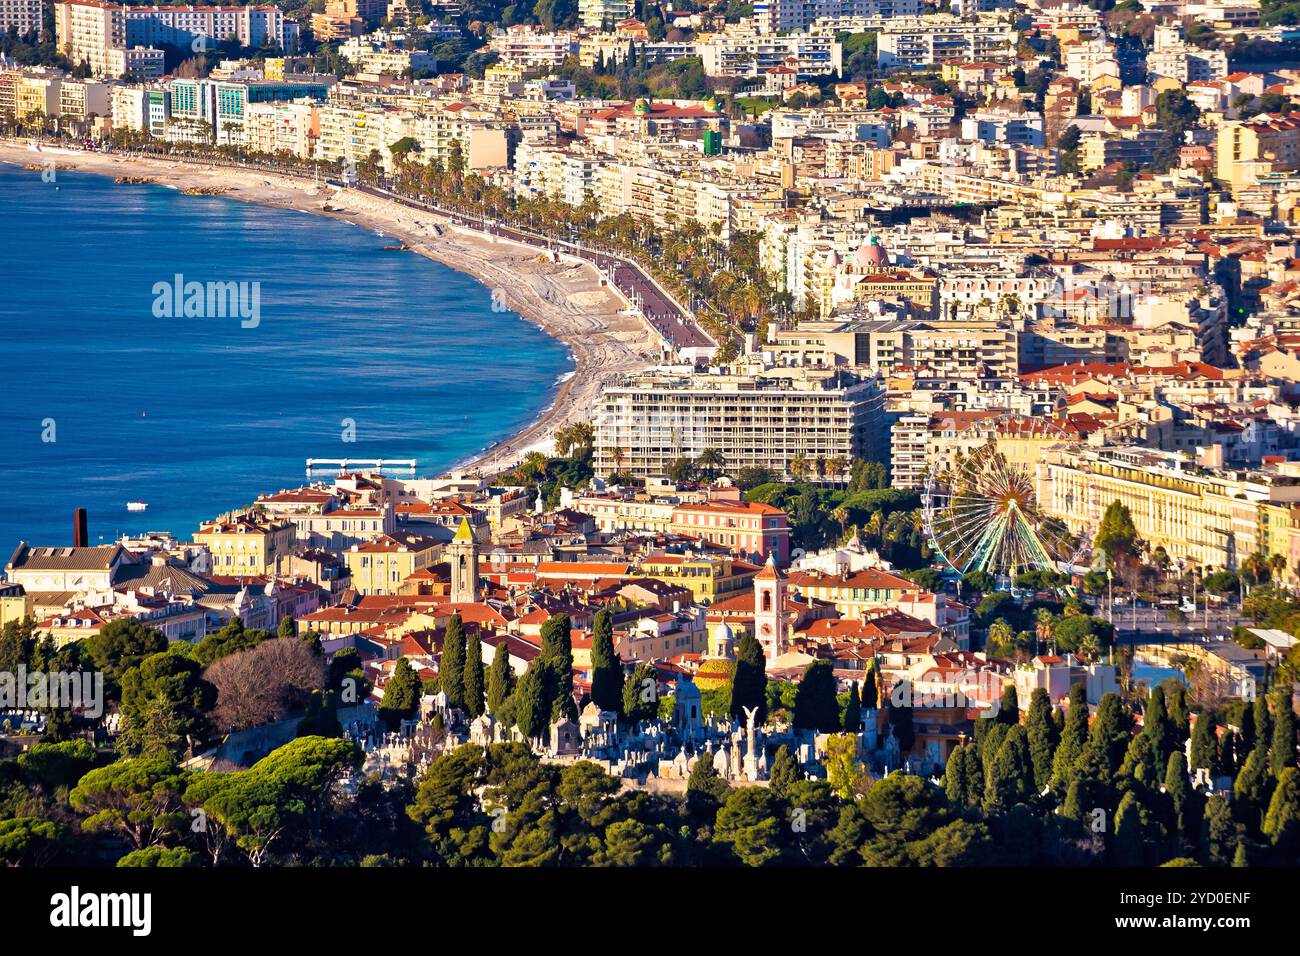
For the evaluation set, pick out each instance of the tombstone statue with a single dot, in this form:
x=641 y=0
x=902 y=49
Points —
x=751 y=740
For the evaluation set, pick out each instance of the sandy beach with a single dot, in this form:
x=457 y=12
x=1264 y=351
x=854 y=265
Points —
x=567 y=298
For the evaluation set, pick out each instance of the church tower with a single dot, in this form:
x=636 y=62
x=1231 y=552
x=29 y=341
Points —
x=769 y=610
x=462 y=555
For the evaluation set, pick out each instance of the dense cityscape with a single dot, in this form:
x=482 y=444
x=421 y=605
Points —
x=926 y=492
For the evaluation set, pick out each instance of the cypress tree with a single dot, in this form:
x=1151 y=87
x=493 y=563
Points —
x=1009 y=705
x=1179 y=794
x=974 y=777
x=1219 y=831
x=401 y=695
x=1072 y=808
x=1141 y=765
x=557 y=659
x=1009 y=780
x=785 y=772
x=853 y=711
x=1176 y=705
x=1227 y=765
x=989 y=735
x=954 y=776
x=1043 y=736
x=451 y=667
x=1127 y=848
x=1110 y=732
x=900 y=719
x=1263 y=724
x=1245 y=741
x=815 y=706
x=473 y=686
x=1241 y=857
x=641 y=694
x=1252 y=789
x=870 y=687
x=1281 y=755
x=1158 y=727
x=606 y=668
x=501 y=679
x=749 y=679
x=531 y=709
x=1282 y=822
x=1073 y=735
x=1205 y=743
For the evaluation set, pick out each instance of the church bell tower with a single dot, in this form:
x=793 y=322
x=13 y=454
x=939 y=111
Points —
x=462 y=556
x=769 y=610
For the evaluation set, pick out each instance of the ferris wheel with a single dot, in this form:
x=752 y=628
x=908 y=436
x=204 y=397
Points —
x=981 y=507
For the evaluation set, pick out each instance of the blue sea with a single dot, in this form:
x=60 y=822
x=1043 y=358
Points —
x=102 y=403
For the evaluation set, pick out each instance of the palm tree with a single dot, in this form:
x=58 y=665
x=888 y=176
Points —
x=840 y=514
x=533 y=467
x=1044 y=623
x=1255 y=568
x=1278 y=565
x=711 y=462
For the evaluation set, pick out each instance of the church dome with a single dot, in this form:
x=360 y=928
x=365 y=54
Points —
x=871 y=255
x=641 y=107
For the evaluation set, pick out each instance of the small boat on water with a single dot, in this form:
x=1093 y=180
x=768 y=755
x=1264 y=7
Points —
x=136 y=506
x=402 y=248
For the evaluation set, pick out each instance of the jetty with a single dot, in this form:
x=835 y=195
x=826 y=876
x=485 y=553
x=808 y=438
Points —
x=347 y=464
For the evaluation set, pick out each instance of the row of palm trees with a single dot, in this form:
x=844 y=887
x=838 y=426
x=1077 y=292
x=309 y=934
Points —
x=722 y=280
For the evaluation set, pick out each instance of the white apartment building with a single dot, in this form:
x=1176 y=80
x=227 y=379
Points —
x=1172 y=57
x=525 y=48
x=775 y=16
x=84 y=99
x=565 y=174
x=1001 y=126
x=115 y=39
x=755 y=416
x=1090 y=60
x=22 y=15
x=931 y=40
x=86 y=32
x=282 y=128
x=605 y=14
x=350 y=134
x=742 y=53
x=180 y=26
x=373 y=57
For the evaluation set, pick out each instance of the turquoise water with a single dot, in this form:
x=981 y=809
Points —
x=198 y=415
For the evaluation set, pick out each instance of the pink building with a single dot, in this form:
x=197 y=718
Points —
x=745 y=528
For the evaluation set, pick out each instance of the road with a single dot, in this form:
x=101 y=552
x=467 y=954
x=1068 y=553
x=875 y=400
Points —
x=1150 y=625
x=676 y=327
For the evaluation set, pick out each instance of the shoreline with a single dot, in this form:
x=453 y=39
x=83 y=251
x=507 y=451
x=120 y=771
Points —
x=566 y=299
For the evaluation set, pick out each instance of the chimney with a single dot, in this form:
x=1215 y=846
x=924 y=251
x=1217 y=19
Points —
x=80 y=538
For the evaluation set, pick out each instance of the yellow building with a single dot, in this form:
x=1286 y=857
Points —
x=245 y=545
x=1248 y=150
x=854 y=594
x=15 y=603
x=1212 y=518
x=708 y=577
x=380 y=566
x=37 y=95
